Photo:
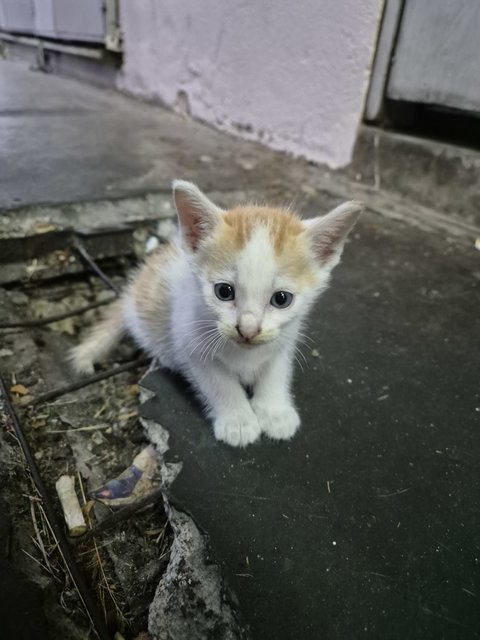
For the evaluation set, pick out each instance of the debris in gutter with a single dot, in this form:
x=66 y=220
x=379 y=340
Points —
x=72 y=512
x=38 y=322
x=138 y=480
x=121 y=573
x=87 y=258
x=19 y=390
x=11 y=423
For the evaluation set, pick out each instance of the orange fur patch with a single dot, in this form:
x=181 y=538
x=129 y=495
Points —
x=285 y=230
x=282 y=225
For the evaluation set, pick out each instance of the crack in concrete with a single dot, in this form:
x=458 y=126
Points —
x=192 y=599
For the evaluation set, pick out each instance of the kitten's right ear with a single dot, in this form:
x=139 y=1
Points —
x=196 y=213
x=328 y=233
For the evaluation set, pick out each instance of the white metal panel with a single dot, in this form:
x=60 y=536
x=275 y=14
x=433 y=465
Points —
x=437 y=58
x=17 y=15
x=44 y=18
x=80 y=20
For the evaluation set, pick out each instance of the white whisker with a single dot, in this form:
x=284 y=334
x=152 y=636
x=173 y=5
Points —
x=301 y=354
x=200 y=340
x=220 y=344
x=299 y=362
x=305 y=337
x=206 y=349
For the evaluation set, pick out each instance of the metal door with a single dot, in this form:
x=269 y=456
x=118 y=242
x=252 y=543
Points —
x=87 y=21
x=428 y=53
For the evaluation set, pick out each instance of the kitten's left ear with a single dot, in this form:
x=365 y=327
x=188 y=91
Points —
x=328 y=233
x=196 y=213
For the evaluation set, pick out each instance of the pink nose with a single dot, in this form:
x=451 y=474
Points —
x=248 y=327
x=247 y=334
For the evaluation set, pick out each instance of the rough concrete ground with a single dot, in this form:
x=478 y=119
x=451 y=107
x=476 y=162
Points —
x=385 y=464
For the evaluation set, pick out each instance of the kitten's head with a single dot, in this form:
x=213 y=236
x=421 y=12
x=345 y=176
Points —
x=260 y=268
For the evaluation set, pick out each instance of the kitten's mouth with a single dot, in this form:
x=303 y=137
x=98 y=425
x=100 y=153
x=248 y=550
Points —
x=251 y=342
x=246 y=342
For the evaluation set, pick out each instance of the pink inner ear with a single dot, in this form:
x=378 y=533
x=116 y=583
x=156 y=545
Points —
x=329 y=233
x=192 y=232
x=328 y=240
x=190 y=219
x=196 y=213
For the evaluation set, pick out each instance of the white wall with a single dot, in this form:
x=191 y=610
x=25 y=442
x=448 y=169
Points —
x=291 y=74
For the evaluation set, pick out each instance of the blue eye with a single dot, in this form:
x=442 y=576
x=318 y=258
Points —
x=224 y=291
x=281 y=299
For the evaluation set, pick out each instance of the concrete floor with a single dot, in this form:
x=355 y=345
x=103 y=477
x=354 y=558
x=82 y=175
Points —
x=366 y=523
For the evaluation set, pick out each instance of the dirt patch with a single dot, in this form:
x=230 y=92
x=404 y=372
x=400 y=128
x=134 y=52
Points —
x=92 y=434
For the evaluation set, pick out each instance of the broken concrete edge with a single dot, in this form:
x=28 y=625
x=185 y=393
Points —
x=192 y=599
x=91 y=215
x=39 y=244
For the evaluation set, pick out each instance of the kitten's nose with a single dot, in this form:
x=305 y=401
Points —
x=248 y=326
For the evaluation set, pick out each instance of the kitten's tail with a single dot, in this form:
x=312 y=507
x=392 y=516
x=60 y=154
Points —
x=100 y=340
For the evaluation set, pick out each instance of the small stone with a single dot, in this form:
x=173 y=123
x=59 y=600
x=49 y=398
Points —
x=151 y=244
x=44 y=227
x=246 y=164
x=315 y=353
x=310 y=191
x=17 y=297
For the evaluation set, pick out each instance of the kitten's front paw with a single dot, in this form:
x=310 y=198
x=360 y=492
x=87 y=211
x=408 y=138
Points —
x=237 y=429
x=279 y=421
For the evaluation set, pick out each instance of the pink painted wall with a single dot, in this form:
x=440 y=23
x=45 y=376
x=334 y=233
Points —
x=291 y=74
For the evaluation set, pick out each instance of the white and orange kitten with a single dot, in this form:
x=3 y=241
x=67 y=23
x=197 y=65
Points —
x=223 y=305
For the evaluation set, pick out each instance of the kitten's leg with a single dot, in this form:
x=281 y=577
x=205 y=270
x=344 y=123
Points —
x=234 y=421
x=272 y=402
x=101 y=339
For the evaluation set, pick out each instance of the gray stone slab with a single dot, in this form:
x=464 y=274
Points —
x=366 y=523
x=63 y=141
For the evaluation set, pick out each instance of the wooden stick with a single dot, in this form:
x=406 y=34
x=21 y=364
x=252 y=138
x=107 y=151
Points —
x=72 y=512
x=38 y=322
x=103 y=375
x=86 y=257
